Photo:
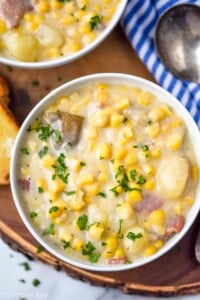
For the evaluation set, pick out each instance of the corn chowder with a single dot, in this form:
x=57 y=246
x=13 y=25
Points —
x=45 y=30
x=108 y=173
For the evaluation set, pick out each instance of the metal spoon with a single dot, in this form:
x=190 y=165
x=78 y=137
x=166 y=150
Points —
x=177 y=40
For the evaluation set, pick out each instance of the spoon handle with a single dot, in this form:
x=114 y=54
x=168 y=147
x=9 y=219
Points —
x=197 y=247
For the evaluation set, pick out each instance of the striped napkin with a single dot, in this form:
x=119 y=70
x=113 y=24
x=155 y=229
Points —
x=138 y=23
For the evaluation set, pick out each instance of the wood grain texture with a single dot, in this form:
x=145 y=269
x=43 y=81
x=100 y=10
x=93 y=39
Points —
x=177 y=272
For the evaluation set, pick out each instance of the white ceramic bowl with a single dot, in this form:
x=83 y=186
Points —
x=194 y=134
x=70 y=58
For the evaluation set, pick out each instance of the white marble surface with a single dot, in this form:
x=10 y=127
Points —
x=54 y=285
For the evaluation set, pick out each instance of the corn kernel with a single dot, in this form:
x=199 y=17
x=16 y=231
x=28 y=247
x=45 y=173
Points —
x=89 y=37
x=70 y=7
x=108 y=254
x=100 y=119
x=125 y=210
x=158 y=244
x=52 y=196
x=43 y=7
x=74 y=45
x=86 y=178
x=56 y=5
x=116 y=120
x=33 y=26
x=29 y=17
x=153 y=130
x=130 y=159
x=157 y=217
x=77 y=244
x=66 y=236
x=55 y=214
x=92 y=189
x=25 y=171
x=111 y=243
x=41 y=182
x=134 y=196
x=145 y=98
x=149 y=170
x=85 y=29
x=150 y=250
x=189 y=200
x=67 y=20
x=126 y=134
x=156 y=153
x=166 y=128
x=195 y=172
x=102 y=86
x=48 y=161
x=122 y=104
x=105 y=151
x=38 y=19
x=57 y=185
x=119 y=253
x=102 y=96
x=179 y=208
x=157 y=114
x=175 y=141
x=96 y=232
x=102 y=177
x=120 y=153
x=61 y=219
x=149 y=184
x=176 y=123
x=32 y=145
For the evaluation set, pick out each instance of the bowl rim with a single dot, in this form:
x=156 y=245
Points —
x=194 y=135
x=68 y=59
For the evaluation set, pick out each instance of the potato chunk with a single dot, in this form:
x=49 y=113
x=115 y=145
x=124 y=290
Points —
x=172 y=176
x=49 y=36
x=21 y=46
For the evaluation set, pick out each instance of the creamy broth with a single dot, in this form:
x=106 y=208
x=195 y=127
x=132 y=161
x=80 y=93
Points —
x=108 y=173
x=53 y=29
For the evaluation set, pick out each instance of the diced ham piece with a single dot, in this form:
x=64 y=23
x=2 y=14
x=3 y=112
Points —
x=114 y=261
x=12 y=11
x=24 y=184
x=149 y=203
x=175 y=225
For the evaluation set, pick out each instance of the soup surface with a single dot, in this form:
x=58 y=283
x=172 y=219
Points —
x=51 y=29
x=108 y=173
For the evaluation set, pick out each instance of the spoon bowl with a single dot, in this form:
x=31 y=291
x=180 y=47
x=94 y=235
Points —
x=177 y=40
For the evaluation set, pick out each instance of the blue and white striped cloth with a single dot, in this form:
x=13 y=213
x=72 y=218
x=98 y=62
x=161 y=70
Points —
x=138 y=22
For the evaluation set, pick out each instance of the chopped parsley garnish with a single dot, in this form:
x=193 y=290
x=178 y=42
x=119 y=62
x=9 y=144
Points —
x=22 y=280
x=26 y=266
x=35 y=82
x=101 y=157
x=103 y=195
x=61 y=169
x=33 y=214
x=89 y=251
x=25 y=151
x=94 y=22
x=141 y=180
x=82 y=222
x=120 y=234
x=56 y=136
x=112 y=160
x=49 y=230
x=82 y=164
x=133 y=236
x=40 y=190
x=69 y=193
x=40 y=249
x=43 y=151
x=103 y=243
x=36 y=282
x=145 y=147
x=125 y=120
x=53 y=209
x=133 y=174
x=43 y=132
x=119 y=171
x=65 y=244
x=84 y=7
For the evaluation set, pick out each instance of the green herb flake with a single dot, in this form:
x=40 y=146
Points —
x=65 y=244
x=101 y=194
x=84 y=7
x=43 y=151
x=141 y=180
x=25 y=151
x=36 y=282
x=94 y=22
x=56 y=136
x=112 y=161
x=103 y=244
x=125 y=120
x=22 y=280
x=40 y=190
x=144 y=147
x=119 y=233
x=114 y=190
x=89 y=251
x=40 y=249
x=133 y=174
x=101 y=157
x=82 y=164
x=61 y=169
x=133 y=236
x=33 y=215
x=35 y=83
x=49 y=230
x=43 y=132
x=69 y=193
x=26 y=266
x=53 y=209
x=82 y=222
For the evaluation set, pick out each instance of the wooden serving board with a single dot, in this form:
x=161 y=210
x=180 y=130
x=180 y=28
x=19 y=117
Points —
x=177 y=272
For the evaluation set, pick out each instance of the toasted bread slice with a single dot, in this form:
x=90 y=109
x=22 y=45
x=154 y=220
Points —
x=8 y=131
x=4 y=91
